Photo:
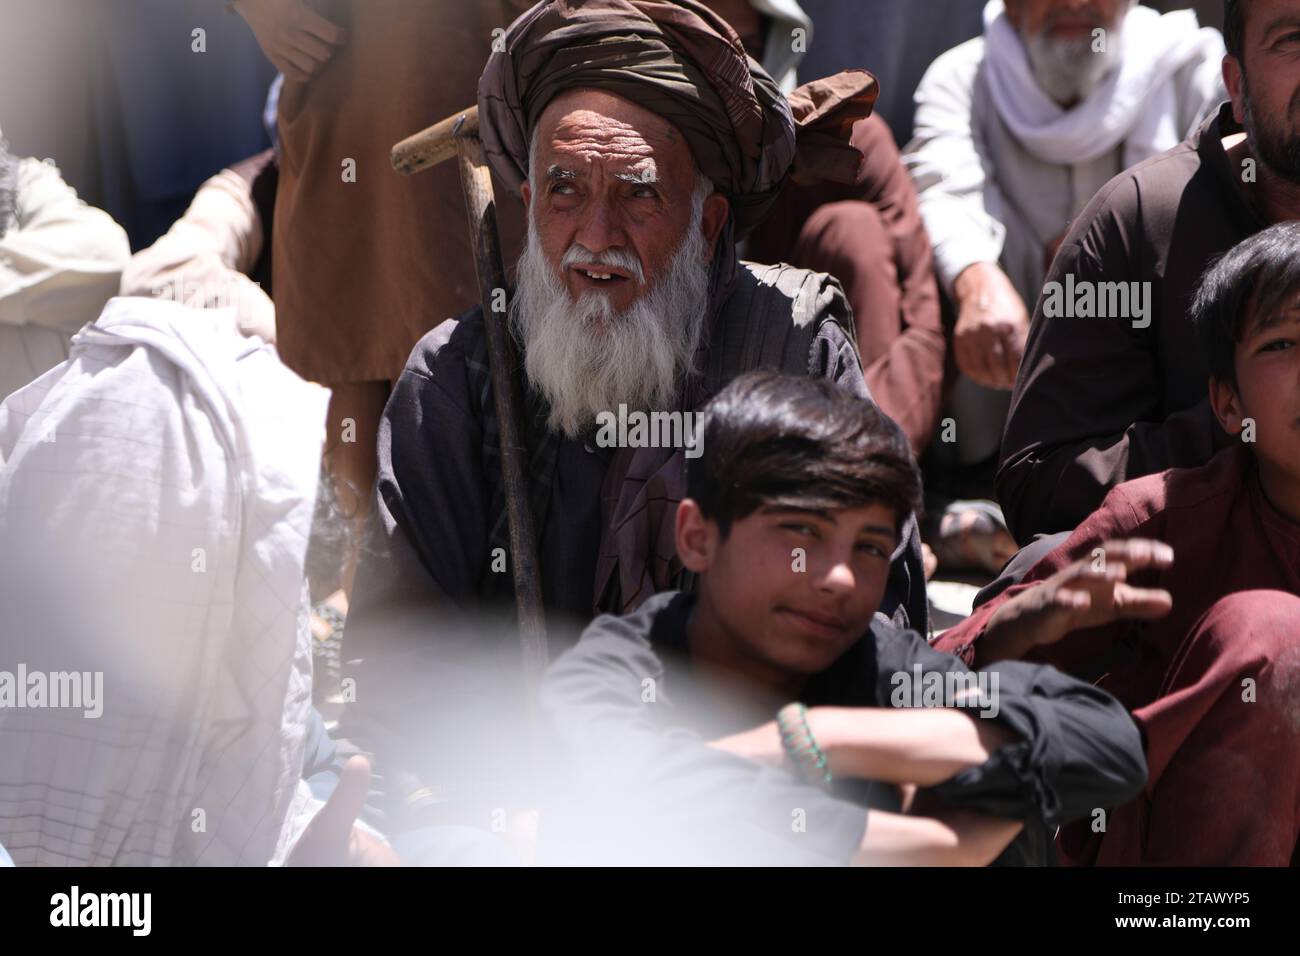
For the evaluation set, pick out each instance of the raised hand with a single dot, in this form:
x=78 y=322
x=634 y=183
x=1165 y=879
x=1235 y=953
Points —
x=1088 y=593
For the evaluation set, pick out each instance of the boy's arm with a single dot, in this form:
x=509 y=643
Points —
x=1091 y=592
x=635 y=773
x=1030 y=741
x=1033 y=742
x=1073 y=747
x=629 y=769
x=1121 y=520
x=923 y=746
x=951 y=838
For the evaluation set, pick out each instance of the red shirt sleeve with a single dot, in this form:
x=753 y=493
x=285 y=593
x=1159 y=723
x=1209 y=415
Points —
x=1134 y=509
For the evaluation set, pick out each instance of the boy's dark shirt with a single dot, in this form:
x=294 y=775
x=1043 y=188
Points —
x=1098 y=402
x=1077 y=748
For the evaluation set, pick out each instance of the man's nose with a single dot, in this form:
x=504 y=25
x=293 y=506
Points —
x=838 y=577
x=601 y=227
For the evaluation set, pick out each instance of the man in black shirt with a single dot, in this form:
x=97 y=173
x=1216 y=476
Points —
x=893 y=753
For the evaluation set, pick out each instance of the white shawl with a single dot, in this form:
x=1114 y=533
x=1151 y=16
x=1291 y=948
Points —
x=1135 y=104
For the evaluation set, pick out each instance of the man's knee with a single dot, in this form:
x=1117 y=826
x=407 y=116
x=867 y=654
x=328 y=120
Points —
x=1254 y=637
x=840 y=231
x=1247 y=624
x=849 y=240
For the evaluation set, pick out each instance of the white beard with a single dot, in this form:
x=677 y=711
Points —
x=586 y=358
x=1068 y=70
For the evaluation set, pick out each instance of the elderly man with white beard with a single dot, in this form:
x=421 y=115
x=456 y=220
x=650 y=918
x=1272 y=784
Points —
x=1015 y=131
x=644 y=144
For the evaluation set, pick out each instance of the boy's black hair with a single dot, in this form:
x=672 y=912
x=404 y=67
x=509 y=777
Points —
x=1234 y=27
x=1250 y=283
x=774 y=439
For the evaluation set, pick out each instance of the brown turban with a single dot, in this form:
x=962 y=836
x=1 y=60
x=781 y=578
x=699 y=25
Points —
x=683 y=62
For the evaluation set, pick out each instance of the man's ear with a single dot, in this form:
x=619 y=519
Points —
x=1227 y=405
x=1233 y=80
x=526 y=190
x=716 y=210
x=697 y=537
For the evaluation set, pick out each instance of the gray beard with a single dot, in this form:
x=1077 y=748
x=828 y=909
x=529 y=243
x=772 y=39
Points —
x=1068 y=71
x=586 y=358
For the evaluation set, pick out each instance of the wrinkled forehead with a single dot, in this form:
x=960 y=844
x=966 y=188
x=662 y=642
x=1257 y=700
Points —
x=582 y=128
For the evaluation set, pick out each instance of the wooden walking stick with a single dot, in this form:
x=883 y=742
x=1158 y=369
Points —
x=457 y=135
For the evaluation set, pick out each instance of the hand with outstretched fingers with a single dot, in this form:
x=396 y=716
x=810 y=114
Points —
x=1091 y=592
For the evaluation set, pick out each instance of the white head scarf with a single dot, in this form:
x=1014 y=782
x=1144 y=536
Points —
x=1134 y=105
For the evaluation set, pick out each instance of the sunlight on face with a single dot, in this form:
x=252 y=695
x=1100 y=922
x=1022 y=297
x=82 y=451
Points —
x=802 y=585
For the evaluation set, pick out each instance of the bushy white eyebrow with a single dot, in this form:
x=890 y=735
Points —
x=647 y=177
x=557 y=173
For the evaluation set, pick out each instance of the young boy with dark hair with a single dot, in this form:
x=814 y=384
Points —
x=1212 y=676
x=665 y=716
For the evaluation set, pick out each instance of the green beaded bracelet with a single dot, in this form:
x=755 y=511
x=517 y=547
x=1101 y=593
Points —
x=797 y=739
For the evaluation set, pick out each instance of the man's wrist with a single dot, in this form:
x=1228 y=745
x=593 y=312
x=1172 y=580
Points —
x=1005 y=636
x=855 y=743
x=803 y=751
x=970 y=281
x=826 y=725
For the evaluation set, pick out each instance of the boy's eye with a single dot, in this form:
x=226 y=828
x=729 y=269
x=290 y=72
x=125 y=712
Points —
x=805 y=529
x=871 y=549
x=1277 y=345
